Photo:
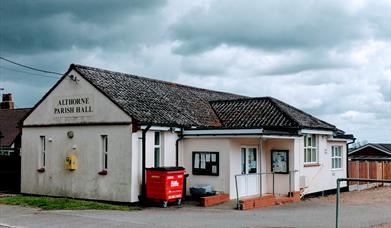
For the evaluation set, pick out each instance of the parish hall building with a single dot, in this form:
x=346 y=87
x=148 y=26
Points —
x=108 y=127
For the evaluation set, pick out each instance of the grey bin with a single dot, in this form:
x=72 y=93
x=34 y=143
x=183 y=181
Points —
x=202 y=190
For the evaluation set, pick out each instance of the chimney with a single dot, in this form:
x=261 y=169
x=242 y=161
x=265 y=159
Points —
x=7 y=102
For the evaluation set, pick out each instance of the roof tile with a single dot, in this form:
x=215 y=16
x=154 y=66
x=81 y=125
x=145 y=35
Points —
x=10 y=125
x=168 y=104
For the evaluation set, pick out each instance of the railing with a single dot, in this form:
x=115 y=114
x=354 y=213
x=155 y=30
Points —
x=260 y=175
x=339 y=180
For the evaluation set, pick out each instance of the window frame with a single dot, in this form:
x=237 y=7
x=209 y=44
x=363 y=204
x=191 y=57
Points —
x=105 y=151
x=42 y=151
x=157 y=146
x=335 y=157
x=208 y=170
x=313 y=146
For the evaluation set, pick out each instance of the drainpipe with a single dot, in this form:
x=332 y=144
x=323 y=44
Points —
x=143 y=148
x=347 y=160
x=177 y=148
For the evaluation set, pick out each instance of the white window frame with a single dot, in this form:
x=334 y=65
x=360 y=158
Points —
x=312 y=149
x=157 y=149
x=335 y=157
x=105 y=149
x=42 y=152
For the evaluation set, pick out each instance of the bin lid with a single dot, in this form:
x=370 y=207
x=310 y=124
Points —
x=167 y=168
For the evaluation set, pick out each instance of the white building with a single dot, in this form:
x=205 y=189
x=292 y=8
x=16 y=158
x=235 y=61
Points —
x=114 y=125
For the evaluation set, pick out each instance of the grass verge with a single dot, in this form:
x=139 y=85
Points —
x=53 y=203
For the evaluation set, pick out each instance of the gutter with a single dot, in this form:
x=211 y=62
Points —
x=347 y=159
x=255 y=135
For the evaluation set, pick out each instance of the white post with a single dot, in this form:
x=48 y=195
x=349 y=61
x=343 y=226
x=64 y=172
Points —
x=297 y=151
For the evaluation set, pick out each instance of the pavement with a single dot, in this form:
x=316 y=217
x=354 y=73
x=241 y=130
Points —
x=303 y=214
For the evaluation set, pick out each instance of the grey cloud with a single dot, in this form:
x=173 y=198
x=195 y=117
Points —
x=44 y=25
x=309 y=62
x=276 y=25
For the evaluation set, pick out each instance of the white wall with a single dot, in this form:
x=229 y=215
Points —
x=322 y=177
x=319 y=178
x=85 y=182
x=221 y=145
x=104 y=111
x=235 y=159
x=281 y=181
x=168 y=156
x=230 y=161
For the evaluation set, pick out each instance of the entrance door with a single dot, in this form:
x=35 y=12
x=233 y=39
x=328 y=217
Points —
x=249 y=184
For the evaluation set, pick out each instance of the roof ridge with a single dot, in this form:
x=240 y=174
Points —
x=375 y=145
x=152 y=79
x=380 y=146
x=273 y=101
x=241 y=99
x=302 y=112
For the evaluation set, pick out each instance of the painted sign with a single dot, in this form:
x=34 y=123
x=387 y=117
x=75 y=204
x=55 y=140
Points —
x=73 y=106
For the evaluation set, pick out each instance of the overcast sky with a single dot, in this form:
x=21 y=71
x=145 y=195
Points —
x=329 y=58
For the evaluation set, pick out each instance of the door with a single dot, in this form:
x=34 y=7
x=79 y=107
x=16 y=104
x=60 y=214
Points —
x=249 y=184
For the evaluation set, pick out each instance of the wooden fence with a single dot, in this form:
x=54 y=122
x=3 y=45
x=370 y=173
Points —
x=369 y=169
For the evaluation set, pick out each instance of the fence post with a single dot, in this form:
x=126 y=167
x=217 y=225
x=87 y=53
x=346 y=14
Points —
x=337 y=205
x=367 y=162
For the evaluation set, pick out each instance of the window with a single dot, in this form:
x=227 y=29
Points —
x=336 y=157
x=105 y=147
x=157 y=149
x=310 y=149
x=248 y=160
x=43 y=151
x=206 y=163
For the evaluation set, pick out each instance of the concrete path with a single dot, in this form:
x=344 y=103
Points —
x=303 y=214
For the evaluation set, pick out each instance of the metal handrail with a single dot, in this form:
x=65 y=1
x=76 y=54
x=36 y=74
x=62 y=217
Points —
x=339 y=180
x=260 y=174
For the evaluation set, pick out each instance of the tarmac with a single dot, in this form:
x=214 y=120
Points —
x=307 y=213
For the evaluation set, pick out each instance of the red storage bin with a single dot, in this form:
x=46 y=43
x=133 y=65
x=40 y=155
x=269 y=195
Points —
x=165 y=184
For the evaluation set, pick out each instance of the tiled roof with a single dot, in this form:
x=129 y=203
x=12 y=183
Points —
x=170 y=104
x=304 y=119
x=383 y=146
x=157 y=102
x=10 y=122
x=265 y=112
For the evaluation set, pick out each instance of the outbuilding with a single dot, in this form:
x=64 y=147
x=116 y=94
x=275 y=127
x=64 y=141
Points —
x=372 y=160
x=94 y=133
x=10 y=143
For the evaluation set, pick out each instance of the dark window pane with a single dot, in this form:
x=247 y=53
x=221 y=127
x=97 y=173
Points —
x=252 y=160
x=105 y=161
x=157 y=157
x=106 y=144
x=157 y=138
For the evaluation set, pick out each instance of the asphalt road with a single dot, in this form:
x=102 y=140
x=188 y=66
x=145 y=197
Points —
x=303 y=214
